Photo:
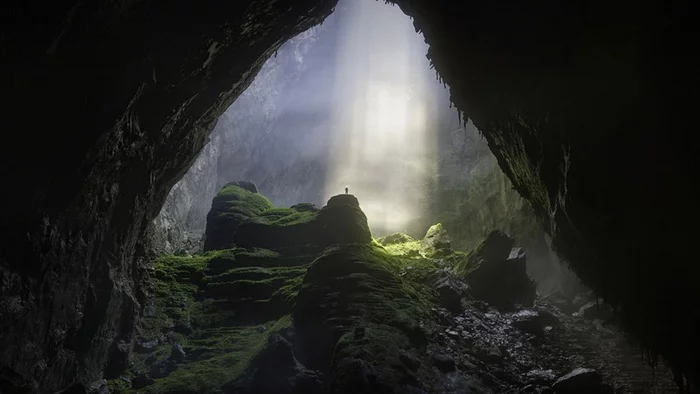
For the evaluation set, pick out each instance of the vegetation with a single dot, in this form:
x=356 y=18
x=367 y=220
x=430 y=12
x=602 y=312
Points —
x=222 y=306
x=231 y=206
x=286 y=216
x=385 y=313
x=227 y=352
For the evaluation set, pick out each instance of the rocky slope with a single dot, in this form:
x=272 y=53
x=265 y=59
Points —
x=308 y=302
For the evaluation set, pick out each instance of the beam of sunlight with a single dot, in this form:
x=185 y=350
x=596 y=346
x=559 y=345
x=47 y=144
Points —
x=383 y=134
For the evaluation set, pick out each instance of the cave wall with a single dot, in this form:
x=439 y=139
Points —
x=179 y=226
x=588 y=107
x=253 y=140
x=471 y=196
x=129 y=91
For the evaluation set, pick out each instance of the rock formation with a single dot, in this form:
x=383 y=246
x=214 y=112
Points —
x=235 y=203
x=281 y=133
x=587 y=108
x=297 y=310
x=587 y=117
x=135 y=90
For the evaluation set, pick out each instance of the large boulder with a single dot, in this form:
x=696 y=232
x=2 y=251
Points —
x=355 y=313
x=341 y=221
x=436 y=238
x=235 y=203
x=450 y=291
x=495 y=271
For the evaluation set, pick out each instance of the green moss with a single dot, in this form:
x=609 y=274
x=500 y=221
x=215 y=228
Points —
x=371 y=279
x=305 y=207
x=340 y=222
x=395 y=238
x=228 y=316
x=405 y=249
x=246 y=201
x=361 y=293
x=228 y=352
x=179 y=267
x=232 y=206
x=286 y=216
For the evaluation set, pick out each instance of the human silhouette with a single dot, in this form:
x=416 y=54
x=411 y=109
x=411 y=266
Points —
x=346 y=190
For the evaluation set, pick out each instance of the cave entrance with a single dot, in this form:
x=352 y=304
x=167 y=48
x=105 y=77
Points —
x=355 y=102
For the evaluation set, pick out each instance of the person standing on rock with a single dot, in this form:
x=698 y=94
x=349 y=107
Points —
x=346 y=190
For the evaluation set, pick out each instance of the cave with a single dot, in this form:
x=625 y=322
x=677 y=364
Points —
x=585 y=107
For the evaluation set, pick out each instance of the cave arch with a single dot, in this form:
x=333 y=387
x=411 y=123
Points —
x=586 y=105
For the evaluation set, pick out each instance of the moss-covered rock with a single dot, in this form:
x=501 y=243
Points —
x=220 y=308
x=234 y=204
x=435 y=240
x=340 y=221
x=358 y=314
x=395 y=238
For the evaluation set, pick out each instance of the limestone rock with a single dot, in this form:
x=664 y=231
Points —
x=98 y=387
x=496 y=273
x=177 y=354
x=436 y=238
x=162 y=369
x=594 y=310
x=395 y=238
x=234 y=204
x=450 y=291
x=541 y=377
x=443 y=362
x=532 y=321
x=146 y=346
x=341 y=221
x=581 y=381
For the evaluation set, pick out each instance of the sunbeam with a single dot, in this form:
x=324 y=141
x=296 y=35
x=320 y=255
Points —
x=382 y=130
